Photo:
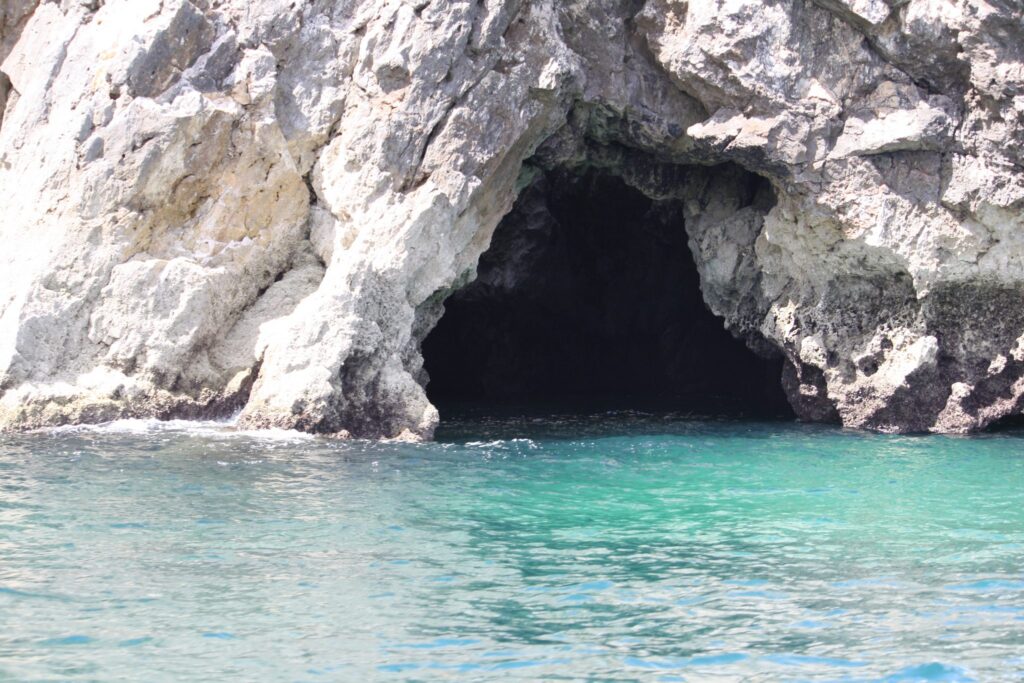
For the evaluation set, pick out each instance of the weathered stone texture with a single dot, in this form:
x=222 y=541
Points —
x=212 y=205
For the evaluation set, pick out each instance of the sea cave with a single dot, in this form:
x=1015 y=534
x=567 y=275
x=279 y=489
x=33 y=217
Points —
x=589 y=298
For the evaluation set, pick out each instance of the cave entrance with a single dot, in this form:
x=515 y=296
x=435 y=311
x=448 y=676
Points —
x=589 y=299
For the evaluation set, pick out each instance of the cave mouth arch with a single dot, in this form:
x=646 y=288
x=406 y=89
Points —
x=589 y=299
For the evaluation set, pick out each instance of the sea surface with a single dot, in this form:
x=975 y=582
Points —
x=609 y=547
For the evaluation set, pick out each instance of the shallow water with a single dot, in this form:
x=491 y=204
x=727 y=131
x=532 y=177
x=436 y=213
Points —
x=618 y=547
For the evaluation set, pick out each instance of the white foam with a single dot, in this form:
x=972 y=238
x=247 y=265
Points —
x=205 y=428
x=501 y=443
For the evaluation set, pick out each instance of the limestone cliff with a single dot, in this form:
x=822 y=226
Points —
x=214 y=205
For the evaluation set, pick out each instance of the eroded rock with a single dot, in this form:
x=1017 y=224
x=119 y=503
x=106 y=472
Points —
x=260 y=206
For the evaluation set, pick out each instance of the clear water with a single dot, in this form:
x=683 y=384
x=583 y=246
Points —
x=612 y=548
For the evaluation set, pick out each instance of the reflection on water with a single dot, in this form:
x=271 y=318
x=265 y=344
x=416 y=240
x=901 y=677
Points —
x=622 y=546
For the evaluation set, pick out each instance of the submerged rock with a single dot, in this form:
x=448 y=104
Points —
x=256 y=205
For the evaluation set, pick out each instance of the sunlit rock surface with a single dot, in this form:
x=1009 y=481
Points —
x=261 y=205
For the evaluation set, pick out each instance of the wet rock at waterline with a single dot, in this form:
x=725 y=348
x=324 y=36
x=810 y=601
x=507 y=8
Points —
x=225 y=205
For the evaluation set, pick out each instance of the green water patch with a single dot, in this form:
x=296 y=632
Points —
x=615 y=547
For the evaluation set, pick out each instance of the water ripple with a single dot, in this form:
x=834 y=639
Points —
x=614 y=547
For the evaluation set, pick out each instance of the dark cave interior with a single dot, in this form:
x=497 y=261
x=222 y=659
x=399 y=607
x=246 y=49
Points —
x=588 y=298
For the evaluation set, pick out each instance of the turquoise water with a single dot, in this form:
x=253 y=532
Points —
x=619 y=547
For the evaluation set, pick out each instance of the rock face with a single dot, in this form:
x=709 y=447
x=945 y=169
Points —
x=261 y=205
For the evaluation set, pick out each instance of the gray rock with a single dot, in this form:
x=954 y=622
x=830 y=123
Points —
x=260 y=205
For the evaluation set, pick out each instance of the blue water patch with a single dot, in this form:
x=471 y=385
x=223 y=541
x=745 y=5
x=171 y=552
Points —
x=399 y=668
x=717 y=660
x=987 y=585
x=438 y=643
x=810 y=660
x=135 y=642
x=67 y=640
x=761 y=595
x=523 y=664
x=811 y=624
x=933 y=671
